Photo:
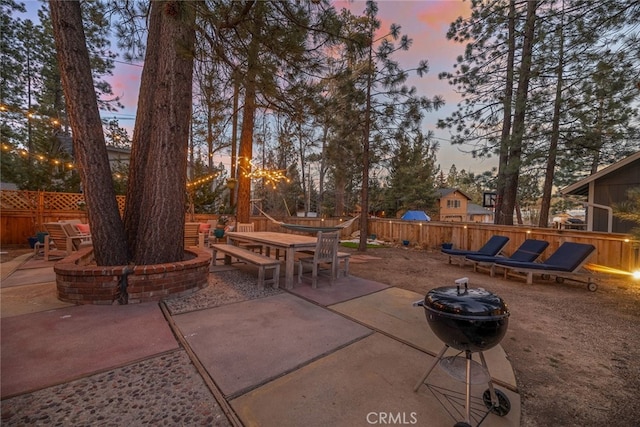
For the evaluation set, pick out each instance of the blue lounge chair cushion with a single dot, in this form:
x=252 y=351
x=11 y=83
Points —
x=528 y=251
x=492 y=248
x=568 y=257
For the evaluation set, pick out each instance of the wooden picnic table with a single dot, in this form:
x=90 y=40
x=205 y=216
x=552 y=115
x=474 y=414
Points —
x=290 y=243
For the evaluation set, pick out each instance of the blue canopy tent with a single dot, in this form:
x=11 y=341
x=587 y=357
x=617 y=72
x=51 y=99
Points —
x=415 y=216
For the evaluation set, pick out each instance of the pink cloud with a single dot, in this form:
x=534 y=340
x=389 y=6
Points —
x=437 y=13
x=126 y=84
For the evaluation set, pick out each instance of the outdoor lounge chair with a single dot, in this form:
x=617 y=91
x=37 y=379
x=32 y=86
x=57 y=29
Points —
x=65 y=237
x=493 y=247
x=528 y=251
x=565 y=262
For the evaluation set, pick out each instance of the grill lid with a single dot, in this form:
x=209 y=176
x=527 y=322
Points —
x=475 y=302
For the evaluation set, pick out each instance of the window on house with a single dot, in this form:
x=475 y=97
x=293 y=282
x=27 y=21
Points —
x=453 y=203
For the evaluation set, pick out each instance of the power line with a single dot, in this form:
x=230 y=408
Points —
x=128 y=63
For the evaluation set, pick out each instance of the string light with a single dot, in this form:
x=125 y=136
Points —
x=30 y=114
x=272 y=177
x=69 y=165
x=7 y=148
x=202 y=180
x=37 y=156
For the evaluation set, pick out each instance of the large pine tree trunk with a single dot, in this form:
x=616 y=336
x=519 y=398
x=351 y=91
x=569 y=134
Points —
x=234 y=145
x=341 y=185
x=246 y=136
x=246 y=153
x=364 y=198
x=506 y=122
x=88 y=139
x=512 y=171
x=155 y=211
x=323 y=172
x=555 y=138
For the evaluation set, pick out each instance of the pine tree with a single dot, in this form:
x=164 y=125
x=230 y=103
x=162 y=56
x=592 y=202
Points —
x=412 y=175
x=32 y=94
x=91 y=153
x=567 y=88
x=378 y=97
x=264 y=47
x=158 y=168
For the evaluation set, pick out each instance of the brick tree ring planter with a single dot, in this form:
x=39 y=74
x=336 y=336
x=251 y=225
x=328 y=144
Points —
x=80 y=281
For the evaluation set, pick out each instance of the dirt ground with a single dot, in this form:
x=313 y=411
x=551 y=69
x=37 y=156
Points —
x=575 y=353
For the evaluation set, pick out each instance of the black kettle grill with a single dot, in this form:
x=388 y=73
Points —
x=472 y=321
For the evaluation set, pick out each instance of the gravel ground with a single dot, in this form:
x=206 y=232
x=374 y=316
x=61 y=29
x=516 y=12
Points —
x=164 y=390
x=225 y=287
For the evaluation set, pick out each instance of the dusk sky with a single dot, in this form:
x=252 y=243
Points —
x=424 y=21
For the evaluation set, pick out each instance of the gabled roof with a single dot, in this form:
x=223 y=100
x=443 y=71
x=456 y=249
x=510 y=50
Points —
x=443 y=192
x=581 y=187
x=473 y=209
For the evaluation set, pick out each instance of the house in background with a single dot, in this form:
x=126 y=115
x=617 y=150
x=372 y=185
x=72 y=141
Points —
x=456 y=206
x=118 y=156
x=605 y=188
x=477 y=213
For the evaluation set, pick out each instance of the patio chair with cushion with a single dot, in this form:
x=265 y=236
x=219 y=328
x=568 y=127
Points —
x=65 y=237
x=205 y=230
x=83 y=229
x=325 y=254
x=78 y=233
x=71 y=221
x=566 y=262
x=493 y=247
x=528 y=251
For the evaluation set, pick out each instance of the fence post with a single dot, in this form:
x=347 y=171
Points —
x=40 y=212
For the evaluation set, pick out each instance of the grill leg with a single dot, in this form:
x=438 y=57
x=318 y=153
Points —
x=468 y=401
x=492 y=392
x=433 y=365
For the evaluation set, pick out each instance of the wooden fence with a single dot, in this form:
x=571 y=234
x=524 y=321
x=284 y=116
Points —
x=24 y=212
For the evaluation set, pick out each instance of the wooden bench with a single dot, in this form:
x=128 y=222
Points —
x=262 y=262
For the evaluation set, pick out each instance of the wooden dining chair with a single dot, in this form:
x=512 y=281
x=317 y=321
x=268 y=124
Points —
x=325 y=254
x=244 y=227
x=192 y=236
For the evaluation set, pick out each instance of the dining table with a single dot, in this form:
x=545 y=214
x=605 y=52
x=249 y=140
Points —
x=289 y=243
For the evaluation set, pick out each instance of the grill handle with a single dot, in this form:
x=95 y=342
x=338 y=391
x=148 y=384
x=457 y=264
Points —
x=465 y=281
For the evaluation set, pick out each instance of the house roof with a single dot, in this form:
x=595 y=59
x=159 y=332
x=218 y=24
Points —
x=473 y=209
x=8 y=186
x=113 y=149
x=581 y=187
x=442 y=192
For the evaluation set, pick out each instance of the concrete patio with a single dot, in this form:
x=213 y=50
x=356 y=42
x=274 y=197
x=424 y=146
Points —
x=346 y=355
